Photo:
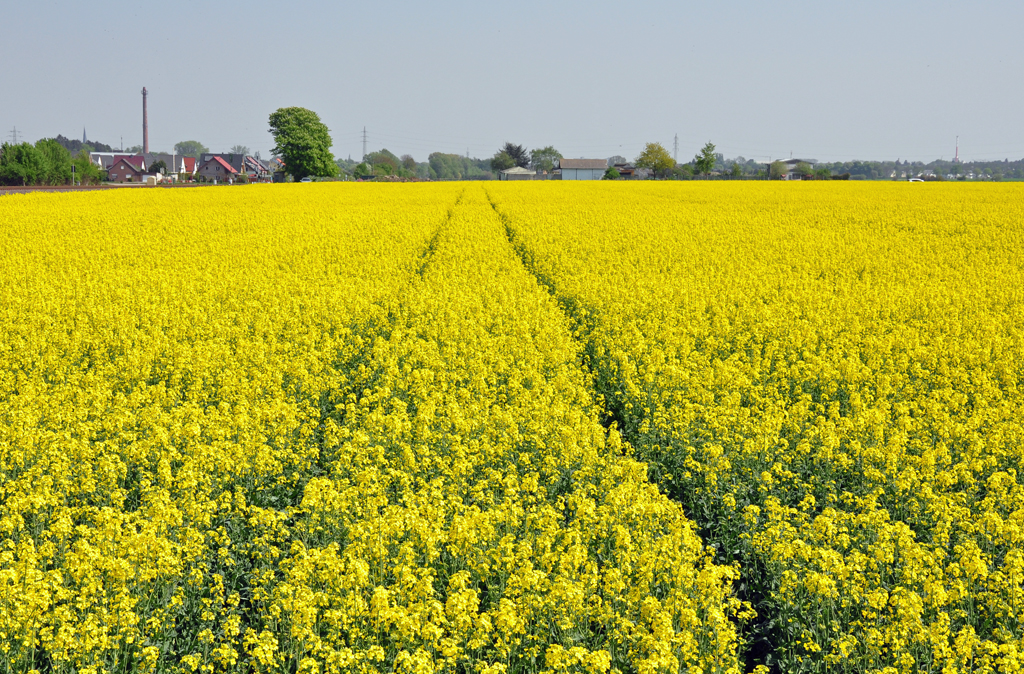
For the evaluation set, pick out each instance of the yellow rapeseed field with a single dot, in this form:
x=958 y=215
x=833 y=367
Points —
x=319 y=428
x=830 y=378
x=533 y=428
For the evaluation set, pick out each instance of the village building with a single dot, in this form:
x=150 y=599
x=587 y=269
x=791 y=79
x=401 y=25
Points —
x=104 y=159
x=790 y=166
x=582 y=169
x=252 y=167
x=517 y=173
x=215 y=169
x=127 y=169
x=256 y=169
x=626 y=171
x=176 y=164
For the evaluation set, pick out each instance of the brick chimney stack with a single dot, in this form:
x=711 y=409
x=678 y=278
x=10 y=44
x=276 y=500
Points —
x=145 y=123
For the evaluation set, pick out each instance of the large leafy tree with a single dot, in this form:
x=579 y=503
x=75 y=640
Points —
x=303 y=142
x=239 y=149
x=447 y=166
x=519 y=154
x=56 y=160
x=543 y=159
x=190 y=148
x=21 y=164
x=362 y=171
x=656 y=158
x=704 y=161
x=502 y=161
x=381 y=158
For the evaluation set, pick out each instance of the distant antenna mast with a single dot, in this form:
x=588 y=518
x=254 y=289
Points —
x=675 y=148
x=956 y=157
x=364 y=143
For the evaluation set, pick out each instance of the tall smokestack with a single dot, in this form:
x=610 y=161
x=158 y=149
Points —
x=145 y=123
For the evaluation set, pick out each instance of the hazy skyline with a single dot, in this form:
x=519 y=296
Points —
x=869 y=80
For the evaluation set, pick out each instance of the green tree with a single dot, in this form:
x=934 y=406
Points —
x=157 y=167
x=190 y=148
x=446 y=166
x=803 y=169
x=21 y=164
x=544 y=159
x=408 y=163
x=56 y=162
x=303 y=142
x=822 y=173
x=239 y=149
x=384 y=158
x=86 y=172
x=656 y=158
x=777 y=170
x=736 y=171
x=362 y=171
x=519 y=155
x=501 y=161
x=611 y=173
x=704 y=161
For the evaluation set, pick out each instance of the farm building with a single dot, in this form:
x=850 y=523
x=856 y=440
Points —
x=583 y=169
x=517 y=173
x=790 y=165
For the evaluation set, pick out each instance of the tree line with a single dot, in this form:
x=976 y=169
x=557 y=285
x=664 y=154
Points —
x=47 y=162
x=303 y=143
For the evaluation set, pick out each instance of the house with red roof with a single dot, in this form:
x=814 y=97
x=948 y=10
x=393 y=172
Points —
x=246 y=165
x=216 y=169
x=126 y=169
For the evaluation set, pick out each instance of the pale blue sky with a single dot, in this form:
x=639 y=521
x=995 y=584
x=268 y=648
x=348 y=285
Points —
x=864 y=80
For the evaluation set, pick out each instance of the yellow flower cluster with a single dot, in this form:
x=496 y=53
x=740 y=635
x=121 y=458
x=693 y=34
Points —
x=829 y=378
x=319 y=428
